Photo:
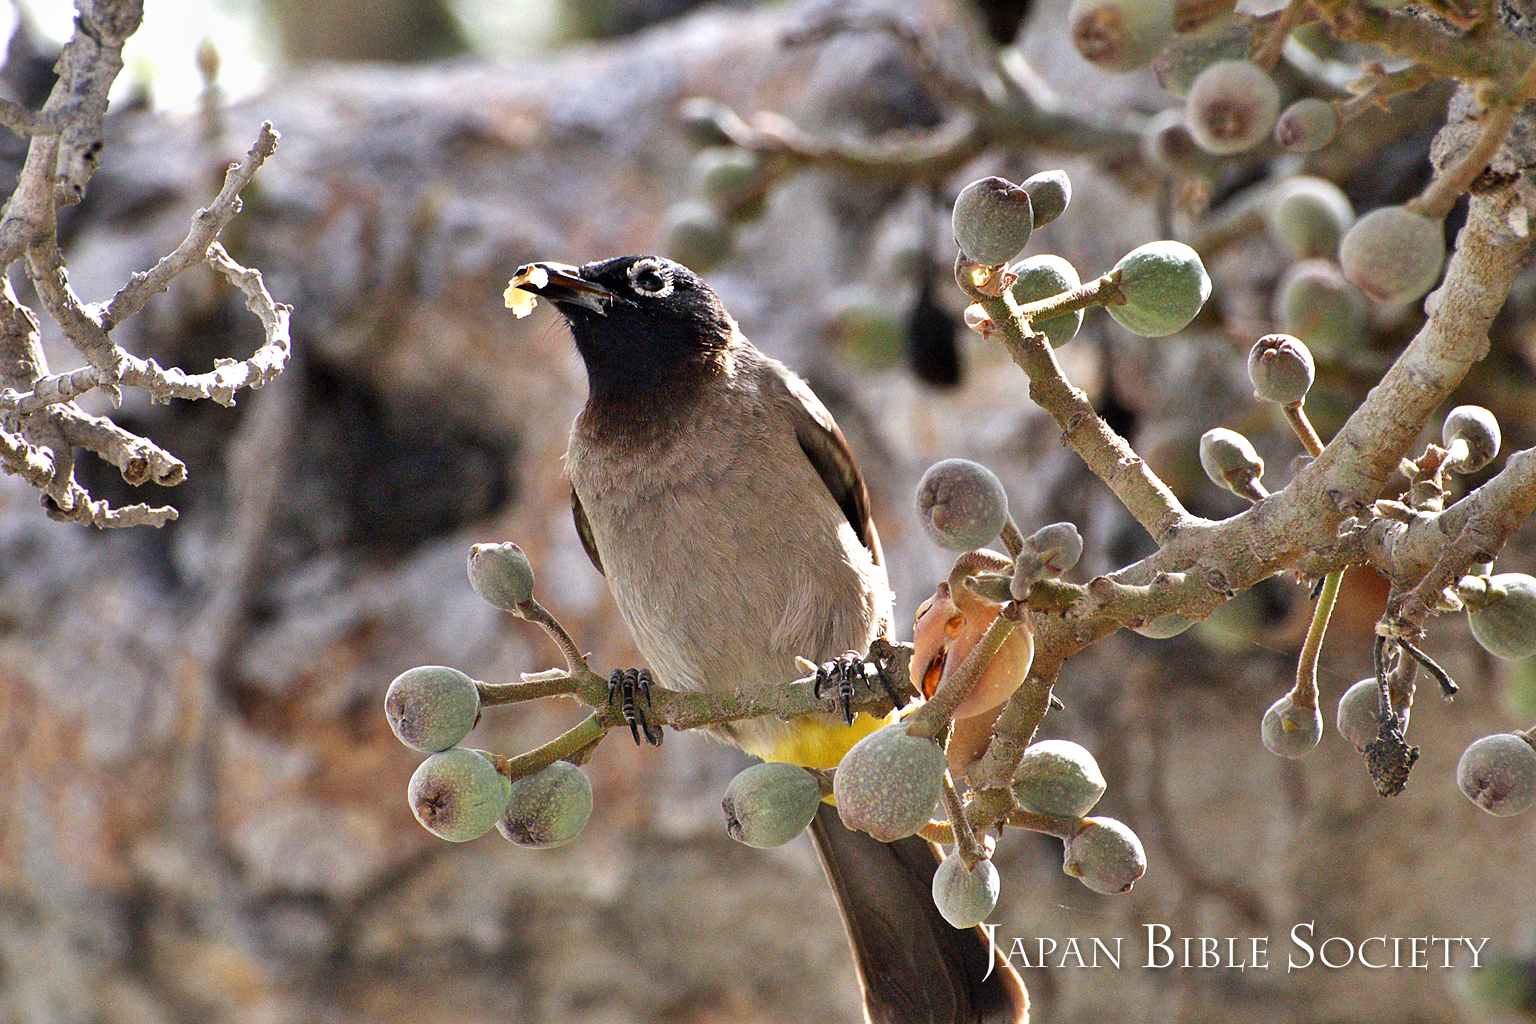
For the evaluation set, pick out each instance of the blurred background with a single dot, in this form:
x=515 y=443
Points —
x=204 y=814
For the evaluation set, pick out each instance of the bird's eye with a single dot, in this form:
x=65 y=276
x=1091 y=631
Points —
x=651 y=278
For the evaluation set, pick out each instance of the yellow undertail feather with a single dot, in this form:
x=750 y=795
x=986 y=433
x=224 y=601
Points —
x=813 y=743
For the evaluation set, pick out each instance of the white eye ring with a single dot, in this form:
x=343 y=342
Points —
x=650 y=271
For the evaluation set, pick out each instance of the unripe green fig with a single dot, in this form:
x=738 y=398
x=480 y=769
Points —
x=727 y=177
x=1503 y=615
x=1479 y=429
x=1059 y=545
x=1501 y=988
x=1498 y=773
x=1058 y=777
x=1359 y=713
x=501 y=574
x=1315 y=303
x=1291 y=729
x=696 y=236
x=1049 y=194
x=1231 y=107
x=432 y=707
x=1308 y=216
x=1164 y=284
x=769 y=804
x=1281 y=369
x=965 y=898
x=458 y=794
x=1044 y=277
x=962 y=504
x=1226 y=37
x=1307 y=125
x=1120 y=35
x=1393 y=254
x=865 y=323
x=888 y=782
x=1231 y=463
x=548 y=808
x=992 y=221
x=1106 y=856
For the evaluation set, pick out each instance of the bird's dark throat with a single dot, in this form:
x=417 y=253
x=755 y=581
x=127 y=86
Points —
x=635 y=395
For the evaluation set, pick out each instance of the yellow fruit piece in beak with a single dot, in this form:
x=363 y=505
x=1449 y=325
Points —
x=519 y=300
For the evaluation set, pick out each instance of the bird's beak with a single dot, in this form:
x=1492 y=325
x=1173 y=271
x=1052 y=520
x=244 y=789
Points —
x=560 y=283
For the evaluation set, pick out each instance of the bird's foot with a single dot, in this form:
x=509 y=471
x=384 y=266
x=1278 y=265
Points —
x=624 y=684
x=844 y=672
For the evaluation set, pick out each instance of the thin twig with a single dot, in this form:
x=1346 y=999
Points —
x=1107 y=454
x=929 y=719
x=207 y=224
x=533 y=611
x=534 y=687
x=585 y=734
x=1448 y=687
x=1304 y=693
x=965 y=840
x=1296 y=14
x=1441 y=194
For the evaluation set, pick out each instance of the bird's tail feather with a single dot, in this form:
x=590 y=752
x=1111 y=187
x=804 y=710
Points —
x=913 y=966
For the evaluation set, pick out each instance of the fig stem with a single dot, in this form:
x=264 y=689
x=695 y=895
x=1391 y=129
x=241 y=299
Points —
x=575 y=661
x=929 y=719
x=1386 y=85
x=585 y=734
x=1065 y=829
x=553 y=683
x=1297 y=414
x=965 y=839
x=1295 y=14
x=1305 y=691
x=1441 y=194
x=1102 y=291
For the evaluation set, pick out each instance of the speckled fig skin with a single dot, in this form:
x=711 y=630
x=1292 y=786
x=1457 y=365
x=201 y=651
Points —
x=458 y=794
x=548 y=808
x=1058 y=777
x=1106 y=856
x=993 y=220
x=431 y=707
x=1498 y=773
x=948 y=627
x=501 y=574
x=769 y=804
x=1503 y=616
x=965 y=898
x=888 y=783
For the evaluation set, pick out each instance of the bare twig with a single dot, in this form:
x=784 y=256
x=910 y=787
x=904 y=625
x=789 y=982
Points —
x=207 y=224
x=1107 y=453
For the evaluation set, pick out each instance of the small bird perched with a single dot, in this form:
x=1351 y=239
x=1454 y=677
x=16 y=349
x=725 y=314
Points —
x=716 y=494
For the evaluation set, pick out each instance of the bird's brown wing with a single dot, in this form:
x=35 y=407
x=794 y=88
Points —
x=827 y=449
x=584 y=531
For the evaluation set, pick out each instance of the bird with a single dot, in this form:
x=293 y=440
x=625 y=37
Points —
x=716 y=494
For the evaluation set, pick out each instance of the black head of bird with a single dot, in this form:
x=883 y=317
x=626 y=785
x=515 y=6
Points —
x=639 y=322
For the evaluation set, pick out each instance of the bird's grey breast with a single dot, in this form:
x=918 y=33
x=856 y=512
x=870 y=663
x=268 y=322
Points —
x=725 y=552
